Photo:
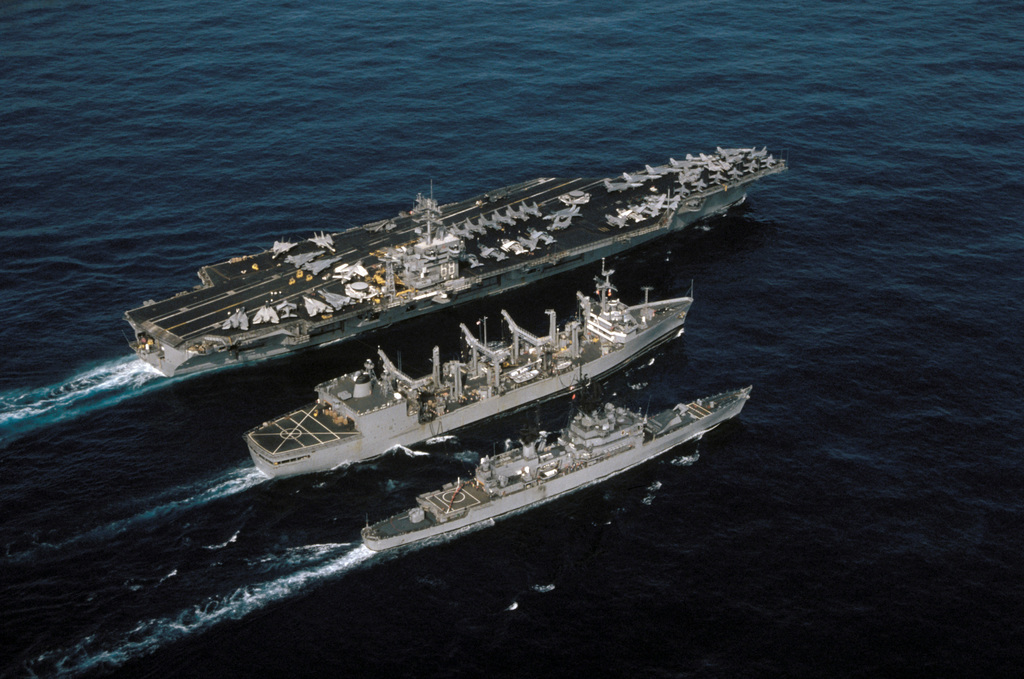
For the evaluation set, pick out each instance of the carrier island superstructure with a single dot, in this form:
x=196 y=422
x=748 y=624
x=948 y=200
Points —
x=334 y=286
x=364 y=414
x=598 y=443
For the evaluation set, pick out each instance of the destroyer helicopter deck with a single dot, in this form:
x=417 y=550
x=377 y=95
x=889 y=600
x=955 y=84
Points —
x=463 y=496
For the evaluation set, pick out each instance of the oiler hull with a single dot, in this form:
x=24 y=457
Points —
x=395 y=427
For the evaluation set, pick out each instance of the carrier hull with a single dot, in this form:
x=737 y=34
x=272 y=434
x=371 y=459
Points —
x=218 y=323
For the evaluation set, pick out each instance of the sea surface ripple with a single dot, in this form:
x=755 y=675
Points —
x=861 y=519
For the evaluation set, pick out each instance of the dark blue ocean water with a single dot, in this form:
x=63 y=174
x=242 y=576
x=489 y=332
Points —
x=863 y=518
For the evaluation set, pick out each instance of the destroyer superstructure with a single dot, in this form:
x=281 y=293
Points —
x=335 y=286
x=598 y=443
x=364 y=414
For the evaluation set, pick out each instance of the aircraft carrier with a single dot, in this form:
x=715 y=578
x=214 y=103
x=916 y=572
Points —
x=599 y=442
x=362 y=415
x=331 y=287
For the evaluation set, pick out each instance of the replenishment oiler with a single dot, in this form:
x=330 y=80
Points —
x=599 y=442
x=335 y=286
x=362 y=415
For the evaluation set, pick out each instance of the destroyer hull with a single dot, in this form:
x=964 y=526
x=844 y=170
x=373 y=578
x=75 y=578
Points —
x=408 y=430
x=541 y=492
x=174 y=358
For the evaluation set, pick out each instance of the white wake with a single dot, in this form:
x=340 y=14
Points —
x=190 y=497
x=98 y=387
x=93 y=653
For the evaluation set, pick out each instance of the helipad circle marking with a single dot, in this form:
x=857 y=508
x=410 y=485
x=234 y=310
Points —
x=291 y=434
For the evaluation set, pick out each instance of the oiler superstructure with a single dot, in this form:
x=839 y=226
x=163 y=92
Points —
x=334 y=286
x=598 y=443
x=364 y=414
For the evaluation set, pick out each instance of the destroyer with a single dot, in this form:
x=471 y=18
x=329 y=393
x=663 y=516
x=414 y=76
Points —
x=335 y=286
x=598 y=443
x=361 y=415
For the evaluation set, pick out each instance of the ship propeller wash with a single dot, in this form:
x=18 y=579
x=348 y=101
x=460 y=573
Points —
x=598 y=443
x=364 y=414
x=331 y=287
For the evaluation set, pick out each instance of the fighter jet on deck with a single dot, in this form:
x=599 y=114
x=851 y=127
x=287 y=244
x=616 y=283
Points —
x=515 y=247
x=503 y=219
x=324 y=240
x=478 y=228
x=569 y=212
x=265 y=314
x=528 y=243
x=299 y=260
x=319 y=265
x=614 y=187
x=315 y=307
x=490 y=223
x=653 y=205
x=693 y=184
x=462 y=230
x=494 y=253
x=545 y=238
x=616 y=221
x=285 y=309
x=563 y=218
x=343 y=272
x=281 y=247
x=334 y=299
x=236 y=320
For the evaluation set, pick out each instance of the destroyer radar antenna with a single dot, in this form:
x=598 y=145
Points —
x=647 y=294
x=646 y=314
